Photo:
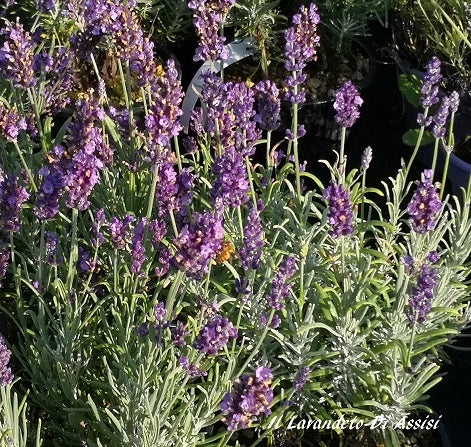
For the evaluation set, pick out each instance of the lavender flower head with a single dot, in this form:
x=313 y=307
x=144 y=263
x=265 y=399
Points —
x=340 y=210
x=6 y=375
x=120 y=231
x=268 y=105
x=281 y=285
x=12 y=197
x=138 y=250
x=440 y=118
x=198 y=243
x=347 y=102
x=163 y=121
x=301 y=43
x=251 y=252
x=366 y=157
x=47 y=198
x=10 y=123
x=251 y=396
x=429 y=91
x=208 y=18
x=4 y=258
x=302 y=378
x=425 y=204
x=231 y=183
x=17 y=57
x=422 y=295
x=215 y=335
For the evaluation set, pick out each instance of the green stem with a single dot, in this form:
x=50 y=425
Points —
x=241 y=224
x=411 y=343
x=269 y=160
x=41 y=252
x=73 y=251
x=342 y=166
x=257 y=347
x=363 y=187
x=153 y=187
x=417 y=145
x=448 y=154
x=435 y=155
x=177 y=151
x=15 y=267
x=252 y=188
x=25 y=166
x=34 y=103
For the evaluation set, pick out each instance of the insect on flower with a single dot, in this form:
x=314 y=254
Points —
x=225 y=252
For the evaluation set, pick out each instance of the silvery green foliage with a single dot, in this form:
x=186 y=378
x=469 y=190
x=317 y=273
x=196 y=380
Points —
x=104 y=368
x=14 y=420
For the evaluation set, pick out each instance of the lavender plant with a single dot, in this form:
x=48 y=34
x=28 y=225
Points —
x=158 y=284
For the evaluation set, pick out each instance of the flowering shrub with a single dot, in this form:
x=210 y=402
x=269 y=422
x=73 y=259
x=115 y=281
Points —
x=160 y=283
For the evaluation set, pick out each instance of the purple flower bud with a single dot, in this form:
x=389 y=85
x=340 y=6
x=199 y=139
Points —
x=215 y=335
x=301 y=378
x=340 y=210
x=12 y=197
x=347 y=102
x=6 y=375
x=251 y=396
x=208 y=17
x=366 y=158
x=422 y=295
x=425 y=204
x=10 y=123
x=17 y=56
x=268 y=105
x=281 y=285
x=251 y=252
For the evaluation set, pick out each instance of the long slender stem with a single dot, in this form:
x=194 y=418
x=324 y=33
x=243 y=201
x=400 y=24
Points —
x=257 y=347
x=417 y=144
x=448 y=154
x=15 y=267
x=249 y=175
x=363 y=187
x=153 y=187
x=41 y=252
x=177 y=152
x=73 y=251
x=34 y=103
x=435 y=155
x=25 y=166
x=342 y=163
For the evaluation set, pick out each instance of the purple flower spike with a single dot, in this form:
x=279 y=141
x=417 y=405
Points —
x=422 y=295
x=138 y=250
x=301 y=378
x=301 y=43
x=208 y=17
x=281 y=285
x=4 y=258
x=6 y=375
x=251 y=396
x=163 y=121
x=120 y=231
x=215 y=335
x=366 y=157
x=340 y=210
x=10 y=123
x=347 y=102
x=47 y=198
x=231 y=184
x=432 y=79
x=17 y=57
x=440 y=118
x=198 y=243
x=12 y=197
x=425 y=204
x=251 y=252
x=191 y=370
x=268 y=105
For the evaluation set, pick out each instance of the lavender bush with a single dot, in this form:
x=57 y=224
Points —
x=160 y=284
